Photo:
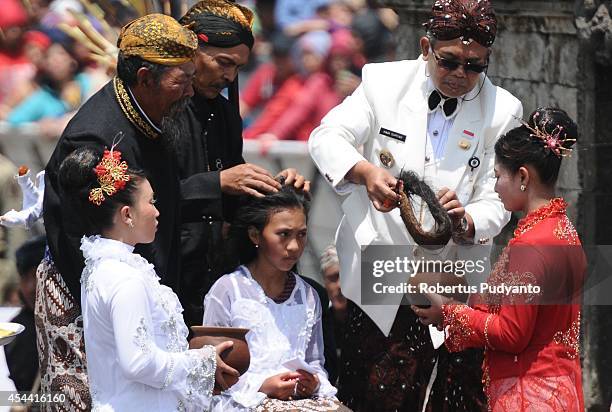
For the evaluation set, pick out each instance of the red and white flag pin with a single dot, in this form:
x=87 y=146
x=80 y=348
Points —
x=468 y=133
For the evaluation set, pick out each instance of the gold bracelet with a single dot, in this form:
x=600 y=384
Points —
x=486 y=331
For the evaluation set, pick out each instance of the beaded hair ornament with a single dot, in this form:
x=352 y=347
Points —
x=553 y=142
x=112 y=176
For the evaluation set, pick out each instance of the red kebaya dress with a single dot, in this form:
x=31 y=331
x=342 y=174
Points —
x=531 y=340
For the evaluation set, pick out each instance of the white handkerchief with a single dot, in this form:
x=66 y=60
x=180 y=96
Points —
x=437 y=336
x=297 y=363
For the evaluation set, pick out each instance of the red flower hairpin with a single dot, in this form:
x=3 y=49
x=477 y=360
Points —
x=112 y=176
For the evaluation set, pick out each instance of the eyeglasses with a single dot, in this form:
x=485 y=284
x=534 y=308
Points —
x=452 y=65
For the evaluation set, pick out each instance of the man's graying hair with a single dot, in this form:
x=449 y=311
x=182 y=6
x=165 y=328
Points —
x=128 y=66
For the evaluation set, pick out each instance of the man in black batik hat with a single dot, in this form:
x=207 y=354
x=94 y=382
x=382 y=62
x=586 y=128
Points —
x=210 y=160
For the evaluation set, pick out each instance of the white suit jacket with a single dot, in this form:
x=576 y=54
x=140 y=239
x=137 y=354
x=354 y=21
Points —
x=393 y=96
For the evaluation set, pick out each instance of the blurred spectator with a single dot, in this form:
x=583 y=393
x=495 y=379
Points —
x=288 y=12
x=335 y=15
x=35 y=46
x=61 y=86
x=344 y=63
x=10 y=198
x=268 y=77
x=15 y=68
x=330 y=267
x=373 y=39
x=320 y=59
x=264 y=9
x=38 y=9
x=21 y=353
x=58 y=12
x=10 y=293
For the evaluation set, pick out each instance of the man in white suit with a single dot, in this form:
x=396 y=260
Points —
x=440 y=117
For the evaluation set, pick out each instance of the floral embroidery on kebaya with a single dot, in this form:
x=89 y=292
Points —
x=556 y=207
x=565 y=231
x=457 y=320
x=570 y=338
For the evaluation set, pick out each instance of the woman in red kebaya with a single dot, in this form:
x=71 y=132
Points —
x=531 y=338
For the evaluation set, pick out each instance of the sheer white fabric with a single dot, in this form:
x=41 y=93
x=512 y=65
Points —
x=279 y=332
x=135 y=336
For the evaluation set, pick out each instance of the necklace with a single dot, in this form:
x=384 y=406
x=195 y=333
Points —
x=263 y=295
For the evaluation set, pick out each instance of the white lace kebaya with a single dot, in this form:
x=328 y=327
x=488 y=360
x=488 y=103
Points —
x=279 y=332
x=135 y=336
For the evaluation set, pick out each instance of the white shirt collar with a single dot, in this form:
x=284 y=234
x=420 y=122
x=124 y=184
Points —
x=98 y=246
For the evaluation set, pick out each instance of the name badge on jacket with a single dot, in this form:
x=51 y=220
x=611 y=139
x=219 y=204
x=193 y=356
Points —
x=393 y=135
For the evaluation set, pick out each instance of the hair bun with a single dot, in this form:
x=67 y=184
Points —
x=555 y=121
x=76 y=172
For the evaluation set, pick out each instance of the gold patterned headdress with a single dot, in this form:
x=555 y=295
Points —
x=112 y=176
x=158 y=38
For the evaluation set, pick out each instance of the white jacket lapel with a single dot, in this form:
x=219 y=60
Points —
x=413 y=114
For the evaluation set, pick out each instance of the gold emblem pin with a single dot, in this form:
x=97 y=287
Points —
x=464 y=144
x=386 y=158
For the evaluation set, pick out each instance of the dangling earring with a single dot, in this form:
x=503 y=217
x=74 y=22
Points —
x=523 y=188
x=131 y=224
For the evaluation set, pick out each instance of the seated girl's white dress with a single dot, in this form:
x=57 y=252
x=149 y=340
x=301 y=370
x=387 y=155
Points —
x=135 y=336
x=279 y=332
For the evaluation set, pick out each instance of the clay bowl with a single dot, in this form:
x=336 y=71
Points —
x=238 y=356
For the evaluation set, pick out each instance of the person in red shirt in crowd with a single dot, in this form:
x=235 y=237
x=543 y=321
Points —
x=15 y=67
x=322 y=60
x=35 y=45
x=269 y=77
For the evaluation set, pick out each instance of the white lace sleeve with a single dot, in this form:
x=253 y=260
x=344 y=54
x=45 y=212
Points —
x=217 y=312
x=191 y=374
x=314 y=355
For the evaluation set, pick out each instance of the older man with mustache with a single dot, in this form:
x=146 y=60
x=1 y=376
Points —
x=139 y=113
x=211 y=162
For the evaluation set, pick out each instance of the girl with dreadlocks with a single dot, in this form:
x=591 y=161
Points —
x=531 y=337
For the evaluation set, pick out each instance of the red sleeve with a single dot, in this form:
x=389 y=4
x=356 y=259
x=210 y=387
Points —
x=275 y=108
x=252 y=93
x=510 y=329
x=296 y=115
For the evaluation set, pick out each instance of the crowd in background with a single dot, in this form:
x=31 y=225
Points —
x=310 y=59
x=308 y=56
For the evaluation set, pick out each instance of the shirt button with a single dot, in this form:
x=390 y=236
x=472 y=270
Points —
x=436 y=133
x=427 y=158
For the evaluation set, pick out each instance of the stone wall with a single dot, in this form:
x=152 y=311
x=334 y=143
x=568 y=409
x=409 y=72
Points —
x=558 y=53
